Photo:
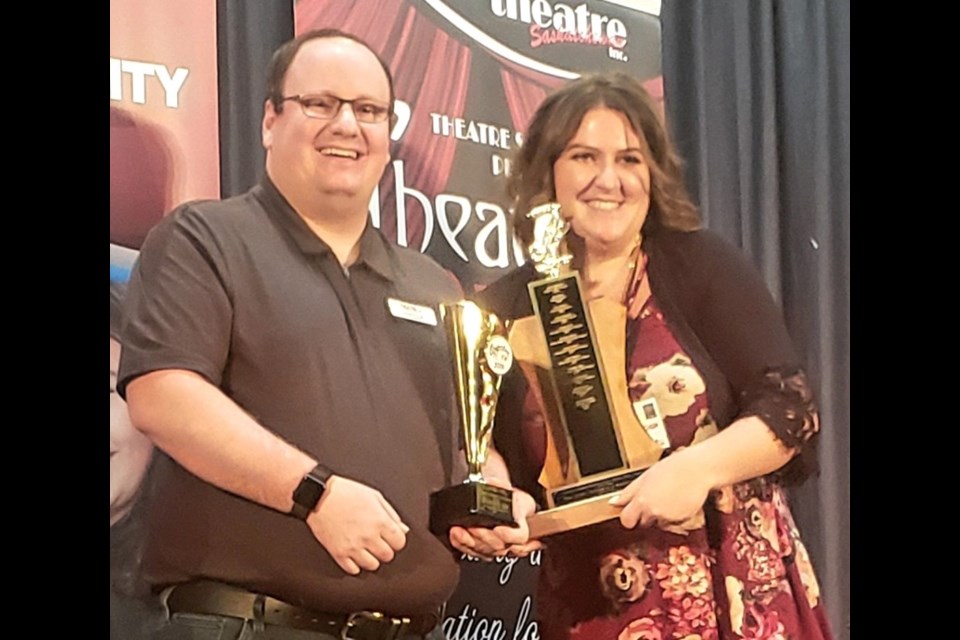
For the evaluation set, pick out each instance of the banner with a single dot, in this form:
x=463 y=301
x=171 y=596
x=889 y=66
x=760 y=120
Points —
x=164 y=150
x=468 y=76
x=164 y=141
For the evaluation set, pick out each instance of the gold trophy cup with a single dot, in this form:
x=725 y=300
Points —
x=481 y=355
x=572 y=354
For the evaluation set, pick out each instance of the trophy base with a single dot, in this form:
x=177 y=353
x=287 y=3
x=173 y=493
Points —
x=572 y=516
x=580 y=505
x=472 y=504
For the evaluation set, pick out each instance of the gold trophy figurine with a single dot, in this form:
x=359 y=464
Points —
x=572 y=354
x=548 y=250
x=482 y=355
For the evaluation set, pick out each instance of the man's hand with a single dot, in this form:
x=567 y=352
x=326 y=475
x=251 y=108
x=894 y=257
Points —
x=357 y=526
x=488 y=544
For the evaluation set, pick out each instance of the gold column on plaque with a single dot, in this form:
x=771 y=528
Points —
x=572 y=353
x=481 y=355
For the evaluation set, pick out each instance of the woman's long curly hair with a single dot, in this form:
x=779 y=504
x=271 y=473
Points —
x=556 y=122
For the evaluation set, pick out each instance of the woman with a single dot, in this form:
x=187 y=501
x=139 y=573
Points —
x=707 y=341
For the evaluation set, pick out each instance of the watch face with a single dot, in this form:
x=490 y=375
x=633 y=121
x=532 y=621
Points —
x=309 y=492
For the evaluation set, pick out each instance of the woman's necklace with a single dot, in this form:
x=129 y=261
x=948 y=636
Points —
x=624 y=283
x=636 y=280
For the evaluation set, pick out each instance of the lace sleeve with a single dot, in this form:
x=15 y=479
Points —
x=784 y=401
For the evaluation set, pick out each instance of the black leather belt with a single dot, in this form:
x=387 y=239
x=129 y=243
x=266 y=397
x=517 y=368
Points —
x=214 y=598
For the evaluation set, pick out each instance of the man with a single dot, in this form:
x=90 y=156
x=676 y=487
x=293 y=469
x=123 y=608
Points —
x=290 y=362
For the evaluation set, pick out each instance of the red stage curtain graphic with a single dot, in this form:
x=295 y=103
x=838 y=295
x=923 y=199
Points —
x=525 y=91
x=523 y=97
x=431 y=74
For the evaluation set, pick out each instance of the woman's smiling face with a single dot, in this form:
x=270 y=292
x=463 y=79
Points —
x=602 y=182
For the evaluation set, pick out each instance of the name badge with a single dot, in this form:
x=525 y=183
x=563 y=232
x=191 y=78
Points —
x=648 y=412
x=412 y=312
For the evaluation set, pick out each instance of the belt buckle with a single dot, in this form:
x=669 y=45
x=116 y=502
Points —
x=396 y=629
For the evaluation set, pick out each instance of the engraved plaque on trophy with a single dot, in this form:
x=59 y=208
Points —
x=572 y=353
x=481 y=355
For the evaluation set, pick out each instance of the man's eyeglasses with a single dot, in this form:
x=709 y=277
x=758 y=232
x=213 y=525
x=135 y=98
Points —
x=327 y=107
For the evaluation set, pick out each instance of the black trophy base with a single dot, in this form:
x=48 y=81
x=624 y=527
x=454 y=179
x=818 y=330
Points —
x=472 y=504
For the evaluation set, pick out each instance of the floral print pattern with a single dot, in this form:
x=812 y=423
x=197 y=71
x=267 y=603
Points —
x=643 y=629
x=732 y=576
x=694 y=617
x=684 y=573
x=675 y=384
x=624 y=577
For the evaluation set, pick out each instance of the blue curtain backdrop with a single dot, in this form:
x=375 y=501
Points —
x=248 y=31
x=757 y=93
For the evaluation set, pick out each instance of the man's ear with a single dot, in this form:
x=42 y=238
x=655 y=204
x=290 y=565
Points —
x=266 y=128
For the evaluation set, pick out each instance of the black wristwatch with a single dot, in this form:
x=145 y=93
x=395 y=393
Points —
x=309 y=491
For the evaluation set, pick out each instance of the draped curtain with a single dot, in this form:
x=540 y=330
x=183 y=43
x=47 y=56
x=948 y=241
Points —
x=523 y=97
x=524 y=90
x=757 y=94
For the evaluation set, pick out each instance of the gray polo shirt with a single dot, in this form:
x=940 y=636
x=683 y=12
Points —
x=243 y=293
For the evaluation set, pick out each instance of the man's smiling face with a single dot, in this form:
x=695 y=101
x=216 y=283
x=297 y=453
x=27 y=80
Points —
x=311 y=159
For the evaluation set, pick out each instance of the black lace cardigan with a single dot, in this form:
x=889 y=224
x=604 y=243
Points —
x=722 y=314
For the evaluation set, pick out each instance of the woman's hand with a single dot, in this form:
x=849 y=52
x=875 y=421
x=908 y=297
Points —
x=499 y=541
x=670 y=492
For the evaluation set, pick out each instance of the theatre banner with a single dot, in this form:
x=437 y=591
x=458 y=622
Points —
x=468 y=75
x=164 y=150
x=164 y=138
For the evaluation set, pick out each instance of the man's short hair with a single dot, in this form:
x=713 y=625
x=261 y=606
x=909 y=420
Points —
x=284 y=55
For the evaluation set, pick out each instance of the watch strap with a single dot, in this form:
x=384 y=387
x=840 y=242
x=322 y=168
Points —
x=309 y=491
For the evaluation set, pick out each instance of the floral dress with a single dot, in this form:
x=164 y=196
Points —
x=739 y=571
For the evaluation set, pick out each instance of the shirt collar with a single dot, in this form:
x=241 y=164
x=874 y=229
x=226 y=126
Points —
x=374 y=249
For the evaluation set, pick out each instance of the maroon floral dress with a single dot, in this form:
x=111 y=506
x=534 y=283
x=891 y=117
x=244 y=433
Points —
x=740 y=571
